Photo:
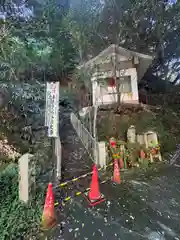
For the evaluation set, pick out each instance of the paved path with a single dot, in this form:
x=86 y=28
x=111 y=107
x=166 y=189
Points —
x=75 y=162
x=74 y=155
x=146 y=206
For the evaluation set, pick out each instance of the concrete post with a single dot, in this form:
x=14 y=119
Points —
x=26 y=177
x=101 y=154
x=58 y=154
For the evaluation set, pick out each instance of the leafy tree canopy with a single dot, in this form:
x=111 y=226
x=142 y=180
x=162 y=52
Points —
x=54 y=36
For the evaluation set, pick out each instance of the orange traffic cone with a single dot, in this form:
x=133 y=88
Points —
x=116 y=175
x=48 y=218
x=94 y=196
x=94 y=193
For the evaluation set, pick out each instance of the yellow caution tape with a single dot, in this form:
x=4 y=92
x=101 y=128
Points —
x=80 y=177
x=76 y=195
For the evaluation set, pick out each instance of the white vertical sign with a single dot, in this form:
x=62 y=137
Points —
x=52 y=108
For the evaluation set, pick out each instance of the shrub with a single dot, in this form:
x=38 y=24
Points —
x=17 y=220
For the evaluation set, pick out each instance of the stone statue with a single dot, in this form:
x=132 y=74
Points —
x=131 y=134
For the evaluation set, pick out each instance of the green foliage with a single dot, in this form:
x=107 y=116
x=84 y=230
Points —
x=52 y=42
x=17 y=220
x=12 y=53
x=36 y=46
x=163 y=121
x=24 y=115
